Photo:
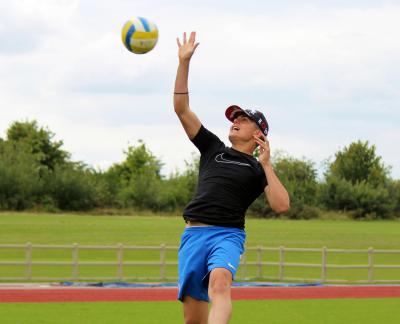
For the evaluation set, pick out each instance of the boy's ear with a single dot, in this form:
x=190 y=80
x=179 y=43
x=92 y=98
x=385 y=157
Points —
x=259 y=134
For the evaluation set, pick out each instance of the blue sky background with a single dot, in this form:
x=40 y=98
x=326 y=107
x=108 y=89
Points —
x=324 y=73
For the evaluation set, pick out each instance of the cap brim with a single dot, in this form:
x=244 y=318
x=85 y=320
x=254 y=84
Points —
x=231 y=111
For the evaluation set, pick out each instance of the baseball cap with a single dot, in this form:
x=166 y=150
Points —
x=255 y=115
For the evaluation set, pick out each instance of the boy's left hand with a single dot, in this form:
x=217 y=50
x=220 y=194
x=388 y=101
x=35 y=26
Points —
x=264 y=156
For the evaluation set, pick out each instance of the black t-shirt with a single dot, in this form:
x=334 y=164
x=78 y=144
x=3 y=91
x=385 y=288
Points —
x=229 y=181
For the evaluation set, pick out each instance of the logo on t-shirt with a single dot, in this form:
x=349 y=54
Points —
x=220 y=159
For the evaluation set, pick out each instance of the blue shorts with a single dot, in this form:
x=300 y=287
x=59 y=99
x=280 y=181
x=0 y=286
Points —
x=204 y=248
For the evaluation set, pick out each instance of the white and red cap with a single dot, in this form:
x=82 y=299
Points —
x=255 y=115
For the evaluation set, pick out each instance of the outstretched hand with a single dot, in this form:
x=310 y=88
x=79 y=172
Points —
x=264 y=156
x=187 y=48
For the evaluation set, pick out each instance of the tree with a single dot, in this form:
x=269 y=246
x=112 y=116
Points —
x=359 y=162
x=394 y=193
x=36 y=173
x=299 y=178
x=40 y=141
x=180 y=187
x=20 y=184
x=70 y=187
x=357 y=181
x=138 y=177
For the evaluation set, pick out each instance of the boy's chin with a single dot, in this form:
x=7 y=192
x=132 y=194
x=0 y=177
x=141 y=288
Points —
x=235 y=138
x=232 y=138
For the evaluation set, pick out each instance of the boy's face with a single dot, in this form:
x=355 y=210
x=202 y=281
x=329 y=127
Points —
x=243 y=128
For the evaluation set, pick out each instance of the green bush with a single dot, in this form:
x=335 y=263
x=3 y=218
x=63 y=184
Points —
x=299 y=178
x=394 y=193
x=141 y=192
x=362 y=199
x=138 y=178
x=177 y=191
x=261 y=208
x=298 y=210
x=103 y=187
x=70 y=188
x=20 y=183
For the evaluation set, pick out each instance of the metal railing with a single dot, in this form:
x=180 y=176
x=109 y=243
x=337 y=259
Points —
x=255 y=264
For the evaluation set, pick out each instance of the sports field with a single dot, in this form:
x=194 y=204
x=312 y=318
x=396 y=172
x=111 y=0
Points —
x=155 y=230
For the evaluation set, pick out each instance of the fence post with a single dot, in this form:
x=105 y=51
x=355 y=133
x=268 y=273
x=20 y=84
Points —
x=28 y=261
x=324 y=257
x=120 y=255
x=259 y=260
x=75 y=253
x=162 y=262
x=281 y=262
x=371 y=265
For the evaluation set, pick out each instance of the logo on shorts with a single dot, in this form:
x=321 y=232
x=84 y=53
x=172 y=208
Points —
x=230 y=264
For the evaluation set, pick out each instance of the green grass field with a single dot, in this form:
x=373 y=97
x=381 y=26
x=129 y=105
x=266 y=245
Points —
x=141 y=230
x=155 y=230
x=323 y=311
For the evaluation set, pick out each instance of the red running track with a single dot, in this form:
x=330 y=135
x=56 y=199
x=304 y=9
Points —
x=73 y=294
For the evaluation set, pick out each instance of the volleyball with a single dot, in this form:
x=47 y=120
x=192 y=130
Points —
x=139 y=35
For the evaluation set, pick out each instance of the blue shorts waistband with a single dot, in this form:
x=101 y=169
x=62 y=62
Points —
x=214 y=228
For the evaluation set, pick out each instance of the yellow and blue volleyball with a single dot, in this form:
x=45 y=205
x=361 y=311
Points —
x=139 y=35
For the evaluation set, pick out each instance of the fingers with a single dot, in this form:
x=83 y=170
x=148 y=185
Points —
x=192 y=37
x=258 y=139
x=192 y=40
x=264 y=144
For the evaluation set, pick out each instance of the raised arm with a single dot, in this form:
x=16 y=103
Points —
x=188 y=119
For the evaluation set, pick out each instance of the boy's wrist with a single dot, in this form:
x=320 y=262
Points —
x=267 y=165
x=184 y=61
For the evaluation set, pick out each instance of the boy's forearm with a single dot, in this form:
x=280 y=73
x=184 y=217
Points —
x=181 y=100
x=182 y=76
x=275 y=192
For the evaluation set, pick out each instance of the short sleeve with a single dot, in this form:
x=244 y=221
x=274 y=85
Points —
x=206 y=141
x=263 y=182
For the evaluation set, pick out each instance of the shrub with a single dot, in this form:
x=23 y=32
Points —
x=20 y=183
x=362 y=199
x=71 y=189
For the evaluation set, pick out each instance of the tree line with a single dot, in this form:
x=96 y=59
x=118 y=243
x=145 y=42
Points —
x=36 y=173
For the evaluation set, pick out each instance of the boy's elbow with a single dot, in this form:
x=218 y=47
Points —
x=180 y=108
x=177 y=109
x=279 y=202
x=282 y=208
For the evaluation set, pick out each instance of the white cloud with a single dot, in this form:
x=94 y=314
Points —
x=26 y=25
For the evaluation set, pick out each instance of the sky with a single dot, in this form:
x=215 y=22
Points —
x=325 y=74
